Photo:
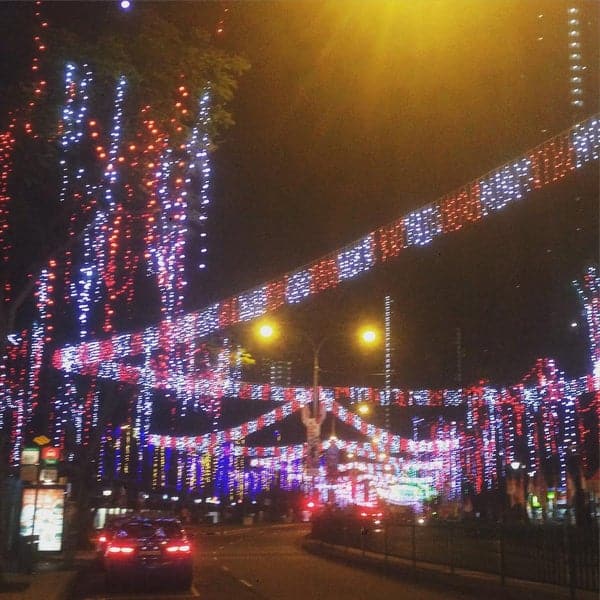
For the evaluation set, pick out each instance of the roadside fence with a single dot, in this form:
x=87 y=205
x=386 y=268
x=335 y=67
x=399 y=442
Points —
x=562 y=555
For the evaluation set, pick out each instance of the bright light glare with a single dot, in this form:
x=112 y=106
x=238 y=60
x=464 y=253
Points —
x=368 y=336
x=266 y=331
x=364 y=409
x=125 y=4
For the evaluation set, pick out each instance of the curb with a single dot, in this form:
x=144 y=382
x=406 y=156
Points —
x=472 y=582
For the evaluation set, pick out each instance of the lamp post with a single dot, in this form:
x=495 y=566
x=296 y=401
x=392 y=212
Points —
x=267 y=331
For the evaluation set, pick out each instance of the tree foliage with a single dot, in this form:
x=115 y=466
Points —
x=157 y=48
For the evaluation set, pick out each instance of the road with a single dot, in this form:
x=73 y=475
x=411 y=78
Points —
x=267 y=563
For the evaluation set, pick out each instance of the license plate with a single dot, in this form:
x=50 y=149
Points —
x=149 y=552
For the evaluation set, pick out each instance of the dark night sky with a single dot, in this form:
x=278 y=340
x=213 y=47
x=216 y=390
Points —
x=356 y=112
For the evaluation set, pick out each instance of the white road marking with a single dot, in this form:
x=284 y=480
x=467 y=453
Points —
x=249 y=585
x=195 y=591
x=225 y=568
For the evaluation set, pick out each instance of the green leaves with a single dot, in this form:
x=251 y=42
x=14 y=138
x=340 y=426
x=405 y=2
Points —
x=158 y=50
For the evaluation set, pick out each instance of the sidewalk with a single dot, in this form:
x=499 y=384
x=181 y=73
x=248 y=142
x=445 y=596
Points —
x=48 y=582
x=473 y=582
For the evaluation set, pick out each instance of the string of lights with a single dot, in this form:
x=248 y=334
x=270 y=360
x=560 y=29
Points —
x=547 y=164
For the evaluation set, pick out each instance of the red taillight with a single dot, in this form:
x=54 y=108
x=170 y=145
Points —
x=183 y=548
x=311 y=505
x=120 y=550
x=363 y=514
x=102 y=539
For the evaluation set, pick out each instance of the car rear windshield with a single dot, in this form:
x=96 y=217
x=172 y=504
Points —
x=148 y=529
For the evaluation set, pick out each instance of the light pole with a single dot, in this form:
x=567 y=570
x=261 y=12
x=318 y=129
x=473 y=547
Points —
x=268 y=331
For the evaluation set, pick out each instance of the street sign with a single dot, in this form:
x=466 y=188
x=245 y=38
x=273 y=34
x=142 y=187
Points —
x=50 y=455
x=30 y=456
x=49 y=475
x=41 y=440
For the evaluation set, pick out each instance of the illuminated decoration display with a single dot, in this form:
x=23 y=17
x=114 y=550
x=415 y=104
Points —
x=546 y=164
x=536 y=421
x=388 y=353
x=496 y=418
x=505 y=185
x=589 y=294
x=356 y=258
x=87 y=290
x=13 y=390
x=7 y=141
x=181 y=183
x=576 y=66
x=421 y=226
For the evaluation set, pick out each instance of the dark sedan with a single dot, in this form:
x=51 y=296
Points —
x=149 y=550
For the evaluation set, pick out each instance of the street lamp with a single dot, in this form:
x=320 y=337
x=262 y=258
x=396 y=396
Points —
x=363 y=409
x=368 y=336
x=268 y=330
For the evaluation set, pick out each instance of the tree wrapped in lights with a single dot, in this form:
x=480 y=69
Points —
x=96 y=170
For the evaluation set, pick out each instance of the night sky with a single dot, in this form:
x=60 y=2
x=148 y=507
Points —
x=353 y=114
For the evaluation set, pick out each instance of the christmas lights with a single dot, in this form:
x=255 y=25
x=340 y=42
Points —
x=87 y=290
x=589 y=295
x=576 y=67
x=356 y=258
x=422 y=225
x=176 y=176
x=544 y=165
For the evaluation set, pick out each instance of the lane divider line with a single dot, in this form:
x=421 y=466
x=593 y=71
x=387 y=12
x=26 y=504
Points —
x=248 y=585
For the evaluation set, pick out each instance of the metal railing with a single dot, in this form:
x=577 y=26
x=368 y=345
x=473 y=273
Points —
x=562 y=555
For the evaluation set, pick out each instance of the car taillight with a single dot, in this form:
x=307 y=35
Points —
x=102 y=539
x=363 y=514
x=120 y=549
x=182 y=548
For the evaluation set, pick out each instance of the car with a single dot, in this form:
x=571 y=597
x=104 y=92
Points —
x=148 y=549
x=369 y=516
x=102 y=536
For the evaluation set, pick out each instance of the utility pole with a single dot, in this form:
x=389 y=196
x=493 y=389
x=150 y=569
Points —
x=459 y=356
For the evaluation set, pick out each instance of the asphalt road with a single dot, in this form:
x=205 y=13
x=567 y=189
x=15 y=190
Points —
x=266 y=563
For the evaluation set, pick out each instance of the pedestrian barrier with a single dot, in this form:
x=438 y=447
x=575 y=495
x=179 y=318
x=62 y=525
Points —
x=562 y=555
